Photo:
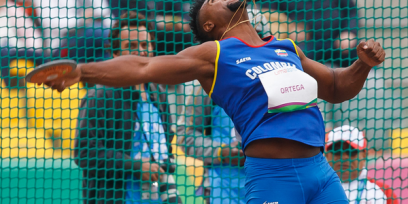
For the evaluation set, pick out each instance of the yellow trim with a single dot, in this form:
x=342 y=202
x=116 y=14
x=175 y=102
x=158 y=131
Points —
x=294 y=45
x=219 y=152
x=216 y=67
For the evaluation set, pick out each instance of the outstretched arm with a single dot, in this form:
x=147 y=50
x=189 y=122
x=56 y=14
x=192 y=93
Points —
x=193 y=63
x=341 y=84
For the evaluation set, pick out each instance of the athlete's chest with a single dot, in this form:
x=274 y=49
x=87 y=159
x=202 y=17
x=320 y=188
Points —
x=250 y=63
x=272 y=73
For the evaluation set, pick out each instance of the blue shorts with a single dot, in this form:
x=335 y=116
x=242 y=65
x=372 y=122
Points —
x=227 y=185
x=292 y=181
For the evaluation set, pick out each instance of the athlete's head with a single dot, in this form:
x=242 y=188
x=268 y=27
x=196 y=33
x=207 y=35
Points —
x=346 y=152
x=210 y=18
x=131 y=35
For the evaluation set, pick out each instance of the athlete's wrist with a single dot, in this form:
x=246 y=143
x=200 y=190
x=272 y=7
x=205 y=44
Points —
x=79 y=71
x=361 y=63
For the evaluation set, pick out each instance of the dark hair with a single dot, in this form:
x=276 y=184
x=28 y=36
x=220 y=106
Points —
x=194 y=23
x=128 y=19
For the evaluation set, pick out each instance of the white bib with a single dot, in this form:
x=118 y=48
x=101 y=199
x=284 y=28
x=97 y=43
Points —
x=289 y=89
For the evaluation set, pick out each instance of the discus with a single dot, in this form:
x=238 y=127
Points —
x=50 y=71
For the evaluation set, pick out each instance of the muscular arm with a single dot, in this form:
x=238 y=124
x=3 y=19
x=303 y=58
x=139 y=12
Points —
x=193 y=63
x=339 y=85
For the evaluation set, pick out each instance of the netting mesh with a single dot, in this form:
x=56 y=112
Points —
x=78 y=145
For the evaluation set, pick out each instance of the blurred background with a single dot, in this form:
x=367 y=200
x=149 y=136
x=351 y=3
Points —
x=38 y=125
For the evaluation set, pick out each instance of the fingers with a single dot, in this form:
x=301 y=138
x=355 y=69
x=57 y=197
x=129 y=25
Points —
x=234 y=144
x=238 y=158
x=234 y=152
x=241 y=153
x=162 y=172
x=59 y=86
x=382 y=57
x=373 y=53
x=378 y=53
x=49 y=84
x=242 y=161
x=154 y=177
x=362 y=45
x=154 y=172
x=154 y=168
x=242 y=158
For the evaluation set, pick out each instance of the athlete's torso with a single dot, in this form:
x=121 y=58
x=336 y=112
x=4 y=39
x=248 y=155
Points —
x=239 y=91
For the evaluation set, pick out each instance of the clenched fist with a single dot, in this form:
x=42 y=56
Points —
x=150 y=171
x=233 y=155
x=371 y=53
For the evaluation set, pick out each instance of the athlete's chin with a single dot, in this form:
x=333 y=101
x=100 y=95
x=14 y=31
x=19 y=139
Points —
x=234 y=5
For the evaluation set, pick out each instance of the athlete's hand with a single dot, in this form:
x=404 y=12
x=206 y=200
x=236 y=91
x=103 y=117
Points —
x=371 y=53
x=66 y=81
x=233 y=155
x=150 y=171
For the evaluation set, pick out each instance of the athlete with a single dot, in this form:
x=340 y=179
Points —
x=268 y=87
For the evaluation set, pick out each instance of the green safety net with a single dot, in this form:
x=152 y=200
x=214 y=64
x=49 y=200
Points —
x=84 y=144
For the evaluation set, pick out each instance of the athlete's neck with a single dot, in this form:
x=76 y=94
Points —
x=245 y=32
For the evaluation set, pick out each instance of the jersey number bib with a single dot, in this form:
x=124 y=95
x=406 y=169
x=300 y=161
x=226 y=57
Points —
x=289 y=89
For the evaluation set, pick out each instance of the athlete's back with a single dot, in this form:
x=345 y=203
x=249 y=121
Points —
x=266 y=93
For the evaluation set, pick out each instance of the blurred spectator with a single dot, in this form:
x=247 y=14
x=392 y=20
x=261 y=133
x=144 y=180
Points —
x=119 y=7
x=278 y=23
x=170 y=21
x=86 y=44
x=91 y=12
x=326 y=30
x=347 y=154
x=172 y=15
x=58 y=16
x=125 y=134
x=172 y=29
x=205 y=132
x=17 y=27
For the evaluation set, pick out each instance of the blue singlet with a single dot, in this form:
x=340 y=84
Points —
x=237 y=88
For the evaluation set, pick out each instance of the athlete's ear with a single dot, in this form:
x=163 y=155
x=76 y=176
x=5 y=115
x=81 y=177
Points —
x=208 y=26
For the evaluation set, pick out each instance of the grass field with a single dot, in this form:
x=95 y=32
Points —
x=58 y=181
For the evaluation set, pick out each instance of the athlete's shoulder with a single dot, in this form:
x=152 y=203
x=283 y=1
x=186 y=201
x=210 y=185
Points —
x=206 y=51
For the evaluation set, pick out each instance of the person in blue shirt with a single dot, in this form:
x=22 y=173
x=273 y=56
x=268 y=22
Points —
x=123 y=140
x=269 y=89
x=205 y=132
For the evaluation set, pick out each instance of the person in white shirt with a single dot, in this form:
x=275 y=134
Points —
x=17 y=28
x=58 y=16
x=346 y=152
